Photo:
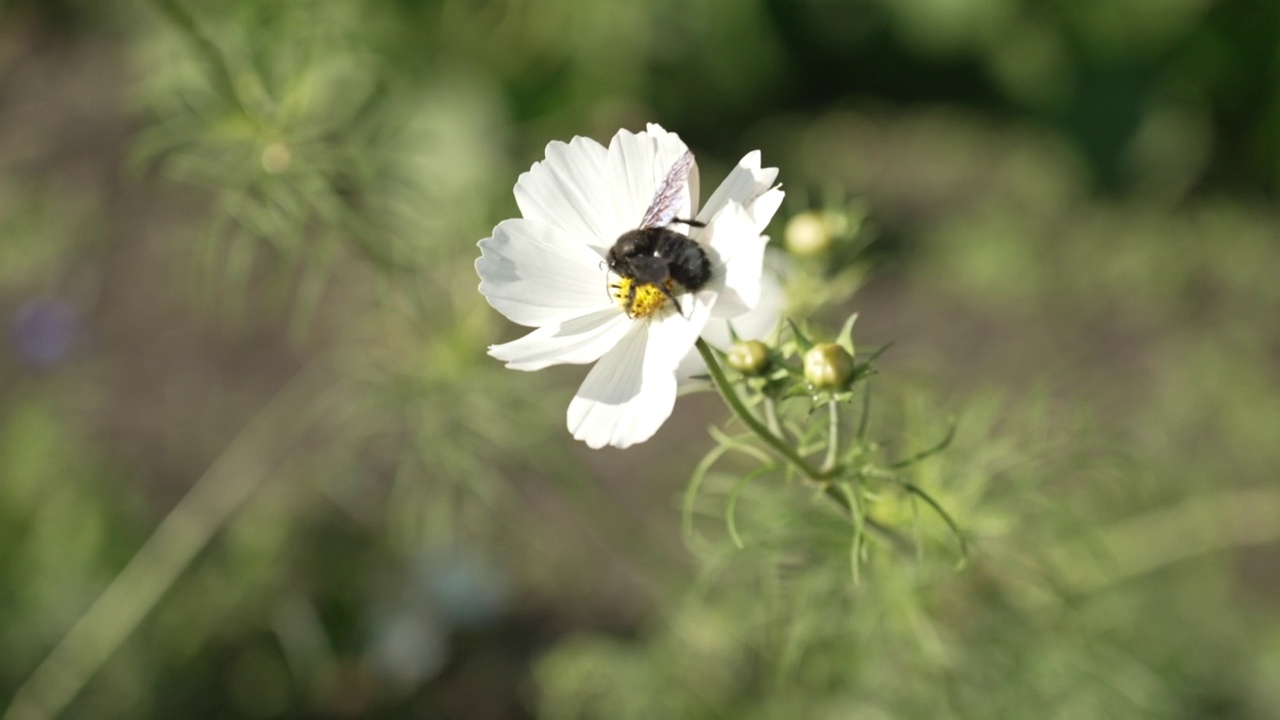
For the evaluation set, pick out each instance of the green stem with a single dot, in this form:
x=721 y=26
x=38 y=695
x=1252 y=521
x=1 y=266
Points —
x=787 y=453
x=833 y=437
x=855 y=547
x=233 y=479
x=771 y=416
x=1189 y=529
x=946 y=517
x=866 y=410
x=783 y=450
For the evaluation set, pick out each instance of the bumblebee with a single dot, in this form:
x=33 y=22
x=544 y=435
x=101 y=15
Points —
x=656 y=256
x=661 y=257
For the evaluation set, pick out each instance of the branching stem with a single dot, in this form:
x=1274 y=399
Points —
x=740 y=410
x=787 y=454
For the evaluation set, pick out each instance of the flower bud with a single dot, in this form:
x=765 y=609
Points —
x=807 y=234
x=749 y=357
x=276 y=158
x=827 y=366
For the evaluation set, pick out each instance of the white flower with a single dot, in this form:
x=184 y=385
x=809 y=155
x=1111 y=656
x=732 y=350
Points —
x=548 y=270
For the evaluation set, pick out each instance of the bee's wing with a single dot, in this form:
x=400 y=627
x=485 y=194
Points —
x=667 y=199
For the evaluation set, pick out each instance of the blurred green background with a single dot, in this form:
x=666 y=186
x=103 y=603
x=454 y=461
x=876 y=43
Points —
x=236 y=240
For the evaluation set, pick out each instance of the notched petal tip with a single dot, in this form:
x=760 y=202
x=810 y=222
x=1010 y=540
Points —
x=600 y=424
x=629 y=393
x=637 y=165
x=764 y=207
x=568 y=190
x=735 y=237
x=745 y=184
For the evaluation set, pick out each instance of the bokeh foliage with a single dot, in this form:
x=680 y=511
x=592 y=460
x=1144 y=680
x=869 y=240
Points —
x=255 y=222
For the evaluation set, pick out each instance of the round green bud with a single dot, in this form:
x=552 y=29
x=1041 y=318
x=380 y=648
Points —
x=827 y=366
x=807 y=234
x=749 y=357
x=276 y=158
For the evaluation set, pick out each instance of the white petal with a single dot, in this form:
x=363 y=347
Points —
x=637 y=165
x=535 y=274
x=762 y=209
x=632 y=389
x=671 y=335
x=619 y=403
x=572 y=191
x=577 y=341
x=744 y=184
x=738 y=251
x=744 y=258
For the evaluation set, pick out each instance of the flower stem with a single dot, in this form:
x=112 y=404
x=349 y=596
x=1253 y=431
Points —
x=833 y=437
x=230 y=483
x=832 y=491
x=785 y=451
x=771 y=416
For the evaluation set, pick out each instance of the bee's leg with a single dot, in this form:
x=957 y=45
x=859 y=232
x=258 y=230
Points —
x=631 y=298
x=690 y=223
x=667 y=291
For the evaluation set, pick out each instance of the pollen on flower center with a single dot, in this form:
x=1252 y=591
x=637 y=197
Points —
x=648 y=300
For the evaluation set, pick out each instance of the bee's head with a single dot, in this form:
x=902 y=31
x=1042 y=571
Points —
x=626 y=246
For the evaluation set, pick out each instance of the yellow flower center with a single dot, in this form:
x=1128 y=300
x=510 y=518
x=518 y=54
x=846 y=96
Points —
x=648 y=300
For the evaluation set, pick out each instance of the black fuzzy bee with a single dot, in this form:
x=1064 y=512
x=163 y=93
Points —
x=654 y=253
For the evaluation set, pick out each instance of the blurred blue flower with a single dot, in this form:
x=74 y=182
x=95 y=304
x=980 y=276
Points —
x=43 y=330
x=408 y=647
x=467 y=591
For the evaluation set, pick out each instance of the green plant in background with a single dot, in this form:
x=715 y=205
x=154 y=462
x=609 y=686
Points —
x=313 y=150
x=1070 y=255
x=62 y=529
x=303 y=184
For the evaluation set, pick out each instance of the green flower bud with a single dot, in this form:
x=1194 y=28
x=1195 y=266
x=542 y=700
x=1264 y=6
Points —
x=276 y=158
x=807 y=234
x=749 y=357
x=827 y=366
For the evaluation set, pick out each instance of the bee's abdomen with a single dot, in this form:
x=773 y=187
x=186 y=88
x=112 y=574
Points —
x=686 y=260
